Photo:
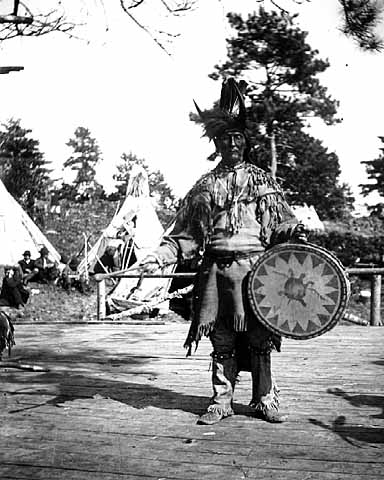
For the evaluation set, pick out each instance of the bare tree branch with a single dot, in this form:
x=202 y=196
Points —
x=135 y=4
x=173 y=10
x=29 y=24
x=360 y=19
x=143 y=27
x=279 y=7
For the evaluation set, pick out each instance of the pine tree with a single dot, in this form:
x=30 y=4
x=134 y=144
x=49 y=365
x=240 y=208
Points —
x=312 y=177
x=23 y=168
x=273 y=56
x=375 y=171
x=281 y=69
x=86 y=154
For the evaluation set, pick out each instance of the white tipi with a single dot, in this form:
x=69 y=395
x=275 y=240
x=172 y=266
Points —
x=136 y=221
x=18 y=232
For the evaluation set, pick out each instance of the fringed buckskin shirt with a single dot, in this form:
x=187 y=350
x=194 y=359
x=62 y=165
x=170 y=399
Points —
x=228 y=218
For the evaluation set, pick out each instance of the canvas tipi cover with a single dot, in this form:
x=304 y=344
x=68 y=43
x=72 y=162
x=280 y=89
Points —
x=308 y=217
x=137 y=217
x=147 y=235
x=18 y=232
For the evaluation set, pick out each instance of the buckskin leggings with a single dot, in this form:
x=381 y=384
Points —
x=225 y=367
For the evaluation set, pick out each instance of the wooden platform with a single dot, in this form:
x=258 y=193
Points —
x=121 y=402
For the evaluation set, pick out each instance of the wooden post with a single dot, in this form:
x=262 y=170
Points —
x=376 y=301
x=101 y=311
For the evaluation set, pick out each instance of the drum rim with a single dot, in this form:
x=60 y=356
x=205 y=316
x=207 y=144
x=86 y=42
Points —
x=345 y=287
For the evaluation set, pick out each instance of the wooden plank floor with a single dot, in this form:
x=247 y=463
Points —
x=121 y=402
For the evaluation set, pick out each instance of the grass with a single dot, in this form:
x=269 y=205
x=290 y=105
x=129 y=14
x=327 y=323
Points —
x=52 y=304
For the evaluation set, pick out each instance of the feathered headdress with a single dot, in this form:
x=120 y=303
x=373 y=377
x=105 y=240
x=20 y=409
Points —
x=230 y=113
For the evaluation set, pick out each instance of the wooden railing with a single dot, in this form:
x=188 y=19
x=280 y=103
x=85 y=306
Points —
x=375 y=273
x=101 y=287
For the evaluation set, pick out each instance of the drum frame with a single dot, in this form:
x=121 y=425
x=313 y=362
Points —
x=329 y=258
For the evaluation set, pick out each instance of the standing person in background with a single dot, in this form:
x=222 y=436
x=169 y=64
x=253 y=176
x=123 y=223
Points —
x=228 y=219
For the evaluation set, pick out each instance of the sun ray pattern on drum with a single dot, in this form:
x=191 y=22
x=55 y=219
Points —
x=297 y=292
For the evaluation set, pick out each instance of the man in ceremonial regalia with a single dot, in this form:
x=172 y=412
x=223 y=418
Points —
x=228 y=219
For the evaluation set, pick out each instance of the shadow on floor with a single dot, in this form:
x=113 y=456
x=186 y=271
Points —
x=136 y=395
x=356 y=435
x=70 y=385
x=361 y=400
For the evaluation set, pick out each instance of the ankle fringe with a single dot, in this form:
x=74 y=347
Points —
x=224 y=411
x=268 y=402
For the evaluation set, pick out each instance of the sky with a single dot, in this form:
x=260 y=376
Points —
x=134 y=97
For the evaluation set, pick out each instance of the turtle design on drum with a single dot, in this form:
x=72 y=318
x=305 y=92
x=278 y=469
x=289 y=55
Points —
x=295 y=288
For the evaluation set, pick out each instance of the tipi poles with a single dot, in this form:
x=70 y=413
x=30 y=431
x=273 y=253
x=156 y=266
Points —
x=86 y=275
x=125 y=260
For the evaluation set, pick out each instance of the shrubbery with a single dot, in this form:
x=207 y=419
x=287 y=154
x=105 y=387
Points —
x=351 y=247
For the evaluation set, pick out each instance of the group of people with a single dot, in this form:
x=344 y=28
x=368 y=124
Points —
x=41 y=270
x=14 y=291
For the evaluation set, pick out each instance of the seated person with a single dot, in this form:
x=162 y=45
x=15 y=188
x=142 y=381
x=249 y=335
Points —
x=28 y=267
x=13 y=293
x=74 y=262
x=64 y=271
x=108 y=262
x=47 y=269
x=68 y=277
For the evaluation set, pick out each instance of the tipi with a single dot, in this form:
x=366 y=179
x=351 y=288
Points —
x=18 y=232
x=136 y=223
x=146 y=234
x=308 y=217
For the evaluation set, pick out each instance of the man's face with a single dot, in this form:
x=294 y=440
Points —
x=27 y=258
x=231 y=146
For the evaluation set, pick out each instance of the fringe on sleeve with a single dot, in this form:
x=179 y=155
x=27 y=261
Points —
x=274 y=215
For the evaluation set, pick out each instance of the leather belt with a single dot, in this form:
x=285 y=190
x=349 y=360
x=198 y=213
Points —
x=231 y=256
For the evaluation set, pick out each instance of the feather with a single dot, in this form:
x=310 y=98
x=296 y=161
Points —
x=199 y=111
x=231 y=99
x=229 y=114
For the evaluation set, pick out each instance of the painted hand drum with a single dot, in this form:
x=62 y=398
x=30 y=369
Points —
x=298 y=290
